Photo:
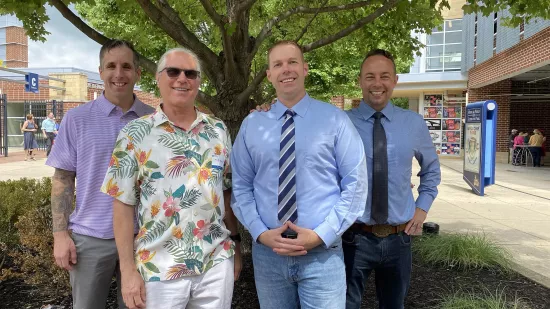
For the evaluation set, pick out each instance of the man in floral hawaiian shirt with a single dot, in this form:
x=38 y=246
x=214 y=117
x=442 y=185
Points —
x=174 y=166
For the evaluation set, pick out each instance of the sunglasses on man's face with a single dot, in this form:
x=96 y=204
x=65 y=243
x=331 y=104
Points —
x=175 y=73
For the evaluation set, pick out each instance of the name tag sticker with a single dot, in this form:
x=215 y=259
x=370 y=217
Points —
x=218 y=161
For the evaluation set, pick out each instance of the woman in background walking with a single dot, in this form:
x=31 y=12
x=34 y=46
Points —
x=28 y=129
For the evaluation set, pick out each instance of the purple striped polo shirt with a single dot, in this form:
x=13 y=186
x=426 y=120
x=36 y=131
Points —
x=84 y=144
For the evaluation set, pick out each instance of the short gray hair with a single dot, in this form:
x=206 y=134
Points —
x=162 y=61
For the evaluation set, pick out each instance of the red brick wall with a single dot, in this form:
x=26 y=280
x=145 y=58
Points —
x=526 y=116
x=530 y=52
x=16 y=92
x=145 y=97
x=338 y=101
x=497 y=92
x=17 y=50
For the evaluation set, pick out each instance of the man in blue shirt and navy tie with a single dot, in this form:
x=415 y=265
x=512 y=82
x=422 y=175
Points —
x=298 y=183
x=380 y=240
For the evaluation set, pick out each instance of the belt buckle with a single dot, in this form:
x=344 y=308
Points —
x=382 y=230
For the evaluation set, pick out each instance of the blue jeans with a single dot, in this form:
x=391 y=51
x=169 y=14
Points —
x=315 y=280
x=389 y=257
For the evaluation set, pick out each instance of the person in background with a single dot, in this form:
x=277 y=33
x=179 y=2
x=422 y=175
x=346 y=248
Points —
x=49 y=132
x=535 y=144
x=513 y=135
x=543 y=148
x=517 y=157
x=29 y=140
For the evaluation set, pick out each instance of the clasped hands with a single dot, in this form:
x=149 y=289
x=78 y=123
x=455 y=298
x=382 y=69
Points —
x=306 y=240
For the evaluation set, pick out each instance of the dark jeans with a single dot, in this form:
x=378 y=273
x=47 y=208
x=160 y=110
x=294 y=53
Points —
x=536 y=153
x=50 y=136
x=389 y=257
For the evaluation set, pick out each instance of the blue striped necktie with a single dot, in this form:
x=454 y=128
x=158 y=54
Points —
x=287 y=171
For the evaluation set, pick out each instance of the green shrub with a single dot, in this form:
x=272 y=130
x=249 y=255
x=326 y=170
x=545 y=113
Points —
x=16 y=198
x=487 y=300
x=462 y=251
x=27 y=240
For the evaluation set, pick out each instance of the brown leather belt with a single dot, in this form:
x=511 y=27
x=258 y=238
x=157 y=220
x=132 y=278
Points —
x=379 y=230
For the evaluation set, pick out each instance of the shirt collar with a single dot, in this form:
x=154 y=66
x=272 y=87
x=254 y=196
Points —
x=366 y=111
x=159 y=117
x=106 y=107
x=300 y=108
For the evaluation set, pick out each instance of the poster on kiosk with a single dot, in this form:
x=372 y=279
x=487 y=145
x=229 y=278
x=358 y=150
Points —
x=480 y=145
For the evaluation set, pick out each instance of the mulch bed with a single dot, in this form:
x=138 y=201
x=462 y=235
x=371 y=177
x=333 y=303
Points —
x=429 y=284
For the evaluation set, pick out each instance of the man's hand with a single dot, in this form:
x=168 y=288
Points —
x=264 y=107
x=64 y=250
x=273 y=239
x=237 y=260
x=415 y=225
x=307 y=238
x=133 y=289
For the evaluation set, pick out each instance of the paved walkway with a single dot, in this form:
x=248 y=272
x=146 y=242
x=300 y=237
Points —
x=515 y=212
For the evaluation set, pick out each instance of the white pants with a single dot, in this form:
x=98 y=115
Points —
x=213 y=289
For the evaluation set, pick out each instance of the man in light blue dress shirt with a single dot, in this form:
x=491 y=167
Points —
x=49 y=131
x=385 y=247
x=298 y=183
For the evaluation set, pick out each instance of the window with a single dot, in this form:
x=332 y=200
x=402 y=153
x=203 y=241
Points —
x=443 y=47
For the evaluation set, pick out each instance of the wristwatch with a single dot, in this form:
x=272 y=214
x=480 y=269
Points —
x=235 y=238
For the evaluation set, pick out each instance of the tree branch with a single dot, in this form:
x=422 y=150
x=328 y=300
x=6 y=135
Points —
x=357 y=25
x=266 y=29
x=244 y=5
x=181 y=34
x=304 y=30
x=212 y=13
x=207 y=101
x=242 y=98
x=147 y=64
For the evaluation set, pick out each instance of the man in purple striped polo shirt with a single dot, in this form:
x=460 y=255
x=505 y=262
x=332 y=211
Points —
x=83 y=238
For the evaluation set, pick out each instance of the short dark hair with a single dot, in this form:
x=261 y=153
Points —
x=112 y=44
x=284 y=42
x=379 y=52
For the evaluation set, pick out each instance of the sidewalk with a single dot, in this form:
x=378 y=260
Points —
x=14 y=166
x=515 y=212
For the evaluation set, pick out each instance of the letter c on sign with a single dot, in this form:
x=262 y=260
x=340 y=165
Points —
x=33 y=81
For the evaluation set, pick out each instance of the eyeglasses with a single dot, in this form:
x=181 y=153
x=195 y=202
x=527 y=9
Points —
x=175 y=73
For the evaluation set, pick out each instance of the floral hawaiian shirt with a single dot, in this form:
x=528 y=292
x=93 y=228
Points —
x=176 y=178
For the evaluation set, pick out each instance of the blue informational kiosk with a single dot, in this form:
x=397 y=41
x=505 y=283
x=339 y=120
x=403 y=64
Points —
x=480 y=145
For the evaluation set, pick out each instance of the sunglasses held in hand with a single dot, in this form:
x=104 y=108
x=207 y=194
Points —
x=175 y=73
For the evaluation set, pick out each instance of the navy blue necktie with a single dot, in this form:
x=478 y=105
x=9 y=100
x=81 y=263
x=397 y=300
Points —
x=287 y=171
x=379 y=211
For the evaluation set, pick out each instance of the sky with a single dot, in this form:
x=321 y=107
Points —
x=65 y=46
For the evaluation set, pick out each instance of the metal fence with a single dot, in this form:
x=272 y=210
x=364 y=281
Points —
x=3 y=125
x=40 y=111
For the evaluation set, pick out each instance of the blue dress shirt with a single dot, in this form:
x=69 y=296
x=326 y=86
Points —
x=407 y=136
x=48 y=125
x=331 y=190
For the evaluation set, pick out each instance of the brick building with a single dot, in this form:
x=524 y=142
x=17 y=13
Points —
x=473 y=58
x=73 y=86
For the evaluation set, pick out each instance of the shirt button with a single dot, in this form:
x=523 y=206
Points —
x=195 y=213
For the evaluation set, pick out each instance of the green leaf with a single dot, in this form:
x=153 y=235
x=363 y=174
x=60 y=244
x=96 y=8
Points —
x=149 y=224
x=152 y=267
x=204 y=136
x=209 y=265
x=208 y=239
x=157 y=175
x=121 y=154
x=151 y=164
x=155 y=278
x=179 y=192
x=177 y=218
x=220 y=125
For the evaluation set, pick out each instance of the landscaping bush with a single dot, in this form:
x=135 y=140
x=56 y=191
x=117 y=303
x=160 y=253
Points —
x=486 y=300
x=16 y=198
x=27 y=241
x=462 y=251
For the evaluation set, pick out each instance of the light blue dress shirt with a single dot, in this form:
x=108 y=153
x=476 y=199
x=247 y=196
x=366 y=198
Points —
x=330 y=170
x=48 y=125
x=407 y=136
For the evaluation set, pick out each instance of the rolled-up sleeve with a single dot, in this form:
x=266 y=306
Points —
x=243 y=202
x=352 y=168
x=430 y=170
